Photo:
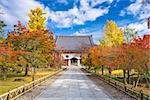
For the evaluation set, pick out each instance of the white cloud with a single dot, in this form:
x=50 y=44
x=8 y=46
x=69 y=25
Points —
x=139 y=10
x=142 y=12
x=134 y=8
x=141 y=27
x=96 y=2
x=15 y=10
x=145 y=12
x=122 y=13
x=77 y=16
x=110 y=1
x=18 y=10
x=97 y=34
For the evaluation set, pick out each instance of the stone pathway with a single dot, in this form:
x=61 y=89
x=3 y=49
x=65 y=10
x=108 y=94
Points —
x=73 y=85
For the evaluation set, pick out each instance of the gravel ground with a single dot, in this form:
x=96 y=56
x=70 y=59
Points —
x=118 y=95
x=36 y=91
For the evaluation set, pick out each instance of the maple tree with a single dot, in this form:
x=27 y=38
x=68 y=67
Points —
x=124 y=57
x=113 y=37
x=39 y=43
x=122 y=49
x=134 y=55
x=99 y=56
x=129 y=35
x=36 y=39
x=30 y=47
x=19 y=42
x=9 y=58
x=142 y=65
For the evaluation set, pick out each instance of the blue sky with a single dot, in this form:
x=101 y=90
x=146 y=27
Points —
x=79 y=17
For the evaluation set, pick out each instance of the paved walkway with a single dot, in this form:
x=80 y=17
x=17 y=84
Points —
x=73 y=85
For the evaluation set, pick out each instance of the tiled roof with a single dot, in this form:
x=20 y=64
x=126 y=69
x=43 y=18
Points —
x=73 y=43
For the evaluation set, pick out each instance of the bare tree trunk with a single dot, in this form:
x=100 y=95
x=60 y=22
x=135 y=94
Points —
x=124 y=77
x=137 y=82
x=102 y=69
x=94 y=70
x=128 y=76
x=4 y=73
x=109 y=71
x=147 y=81
x=33 y=73
x=4 y=76
x=147 y=76
x=26 y=70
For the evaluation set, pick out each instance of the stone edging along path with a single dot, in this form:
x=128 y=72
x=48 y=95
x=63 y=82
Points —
x=16 y=93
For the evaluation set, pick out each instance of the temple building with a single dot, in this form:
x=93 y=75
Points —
x=71 y=48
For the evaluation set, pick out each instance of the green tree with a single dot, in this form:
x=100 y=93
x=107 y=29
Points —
x=2 y=25
x=8 y=58
x=40 y=45
x=130 y=34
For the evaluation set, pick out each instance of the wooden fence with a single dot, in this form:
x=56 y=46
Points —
x=13 y=94
x=138 y=95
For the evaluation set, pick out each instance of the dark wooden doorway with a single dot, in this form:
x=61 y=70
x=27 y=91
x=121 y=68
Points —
x=74 y=61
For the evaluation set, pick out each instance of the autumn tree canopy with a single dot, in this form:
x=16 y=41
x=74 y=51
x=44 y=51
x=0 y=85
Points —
x=113 y=35
x=35 y=41
x=37 y=20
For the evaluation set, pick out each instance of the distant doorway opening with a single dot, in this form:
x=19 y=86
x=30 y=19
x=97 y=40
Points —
x=74 y=61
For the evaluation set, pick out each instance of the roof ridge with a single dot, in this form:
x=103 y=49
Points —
x=74 y=36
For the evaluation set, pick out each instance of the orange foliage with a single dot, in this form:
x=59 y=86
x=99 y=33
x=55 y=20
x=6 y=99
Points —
x=37 y=43
x=7 y=54
x=134 y=55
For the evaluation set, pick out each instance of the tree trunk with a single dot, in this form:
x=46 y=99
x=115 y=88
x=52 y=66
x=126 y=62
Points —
x=4 y=75
x=95 y=70
x=26 y=70
x=147 y=78
x=137 y=82
x=147 y=81
x=33 y=73
x=128 y=76
x=109 y=71
x=124 y=77
x=102 y=69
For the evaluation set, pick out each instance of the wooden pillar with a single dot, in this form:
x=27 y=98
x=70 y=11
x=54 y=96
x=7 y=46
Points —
x=69 y=62
x=78 y=62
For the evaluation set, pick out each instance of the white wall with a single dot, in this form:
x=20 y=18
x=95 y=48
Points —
x=73 y=55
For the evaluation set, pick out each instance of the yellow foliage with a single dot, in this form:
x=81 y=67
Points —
x=37 y=20
x=113 y=35
x=117 y=72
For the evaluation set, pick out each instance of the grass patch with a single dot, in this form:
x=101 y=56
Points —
x=9 y=84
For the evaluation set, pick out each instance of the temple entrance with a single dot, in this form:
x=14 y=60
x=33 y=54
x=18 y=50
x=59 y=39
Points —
x=74 y=61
